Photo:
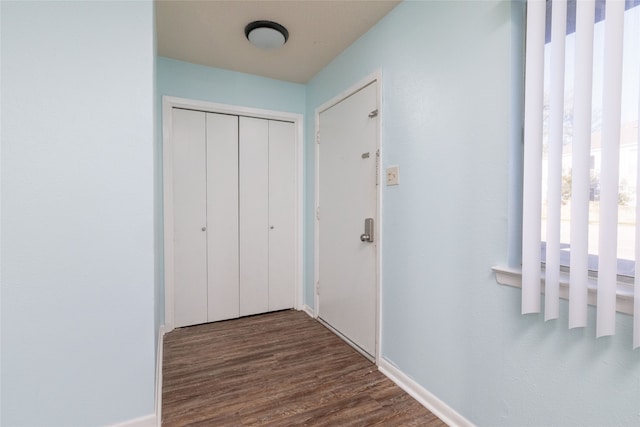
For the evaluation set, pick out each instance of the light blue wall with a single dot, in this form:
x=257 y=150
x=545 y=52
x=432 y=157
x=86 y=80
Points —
x=186 y=80
x=77 y=213
x=450 y=98
x=1 y=215
x=198 y=82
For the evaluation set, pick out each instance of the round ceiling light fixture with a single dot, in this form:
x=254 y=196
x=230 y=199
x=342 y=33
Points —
x=266 y=34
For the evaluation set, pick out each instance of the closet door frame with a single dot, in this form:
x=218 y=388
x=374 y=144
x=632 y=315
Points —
x=168 y=104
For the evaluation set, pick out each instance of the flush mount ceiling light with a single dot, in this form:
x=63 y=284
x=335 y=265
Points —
x=266 y=34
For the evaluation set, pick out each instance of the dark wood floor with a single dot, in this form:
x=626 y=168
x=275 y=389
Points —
x=277 y=369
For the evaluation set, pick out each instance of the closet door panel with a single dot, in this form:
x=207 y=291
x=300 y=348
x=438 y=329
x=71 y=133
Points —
x=189 y=209
x=254 y=211
x=222 y=217
x=281 y=215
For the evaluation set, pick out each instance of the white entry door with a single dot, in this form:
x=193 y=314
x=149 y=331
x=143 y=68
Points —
x=347 y=198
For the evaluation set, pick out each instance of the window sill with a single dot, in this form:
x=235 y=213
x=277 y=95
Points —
x=513 y=277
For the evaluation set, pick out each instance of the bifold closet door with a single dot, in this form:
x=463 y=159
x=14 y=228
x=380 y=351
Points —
x=234 y=216
x=189 y=221
x=281 y=215
x=254 y=215
x=222 y=217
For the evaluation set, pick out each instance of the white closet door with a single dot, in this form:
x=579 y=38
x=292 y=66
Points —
x=281 y=214
x=222 y=216
x=189 y=210
x=254 y=211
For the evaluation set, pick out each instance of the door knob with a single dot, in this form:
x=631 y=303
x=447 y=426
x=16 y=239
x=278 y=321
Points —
x=204 y=228
x=365 y=237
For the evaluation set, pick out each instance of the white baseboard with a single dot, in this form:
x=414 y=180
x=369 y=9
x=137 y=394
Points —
x=424 y=397
x=146 y=421
x=309 y=311
x=151 y=420
x=159 y=356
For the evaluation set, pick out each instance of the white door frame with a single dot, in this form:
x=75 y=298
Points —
x=375 y=78
x=168 y=103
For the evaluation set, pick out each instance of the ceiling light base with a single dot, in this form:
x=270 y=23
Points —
x=266 y=34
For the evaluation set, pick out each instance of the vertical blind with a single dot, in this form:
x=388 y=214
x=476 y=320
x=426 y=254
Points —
x=574 y=113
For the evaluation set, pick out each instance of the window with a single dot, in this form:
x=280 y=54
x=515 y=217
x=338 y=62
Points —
x=626 y=223
x=580 y=191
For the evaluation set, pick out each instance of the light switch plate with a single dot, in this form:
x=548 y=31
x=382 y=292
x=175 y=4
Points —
x=393 y=175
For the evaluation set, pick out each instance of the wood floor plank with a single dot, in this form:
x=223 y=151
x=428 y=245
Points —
x=277 y=369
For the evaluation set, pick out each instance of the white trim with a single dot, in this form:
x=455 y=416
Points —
x=316 y=222
x=170 y=102
x=299 y=214
x=236 y=110
x=440 y=409
x=381 y=182
x=145 y=421
x=159 y=361
x=374 y=78
x=624 y=298
x=371 y=78
x=309 y=311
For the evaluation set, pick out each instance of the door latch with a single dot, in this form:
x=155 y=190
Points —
x=368 y=230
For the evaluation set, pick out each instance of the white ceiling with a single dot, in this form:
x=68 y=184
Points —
x=212 y=33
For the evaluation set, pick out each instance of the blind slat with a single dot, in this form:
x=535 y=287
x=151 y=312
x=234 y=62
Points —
x=532 y=188
x=609 y=175
x=636 y=291
x=554 y=185
x=581 y=145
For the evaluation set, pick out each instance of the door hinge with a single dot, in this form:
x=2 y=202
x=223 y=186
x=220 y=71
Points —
x=318 y=137
x=318 y=287
x=318 y=213
x=373 y=114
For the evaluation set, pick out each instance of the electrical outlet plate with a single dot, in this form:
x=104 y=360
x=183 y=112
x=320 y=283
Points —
x=393 y=175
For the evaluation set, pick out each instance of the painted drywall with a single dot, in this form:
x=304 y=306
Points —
x=158 y=261
x=0 y=216
x=192 y=81
x=198 y=82
x=77 y=213
x=449 y=99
